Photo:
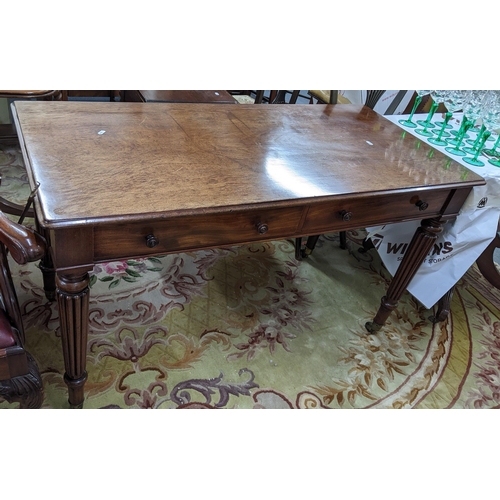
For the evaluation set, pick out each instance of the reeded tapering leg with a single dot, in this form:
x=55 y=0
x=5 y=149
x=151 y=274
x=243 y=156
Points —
x=419 y=247
x=73 y=300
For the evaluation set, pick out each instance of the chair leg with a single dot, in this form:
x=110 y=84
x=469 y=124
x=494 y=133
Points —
x=294 y=97
x=311 y=243
x=486 y=264
x=444 y=307
x=298 y=248
x=278 y=98
x=334 y=95
x=343 y=239
x=259 y=96
x=27 y=390
x=367 y=245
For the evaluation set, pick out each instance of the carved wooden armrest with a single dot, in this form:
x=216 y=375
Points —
x=24 y=244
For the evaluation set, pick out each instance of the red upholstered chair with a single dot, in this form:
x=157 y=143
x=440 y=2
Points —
x=20 y=379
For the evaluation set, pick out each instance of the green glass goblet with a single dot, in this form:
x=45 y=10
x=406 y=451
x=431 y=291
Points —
x=408 y=122
x=491 y=116
x=458 y=132
x=458 y=141
x=475 y=143
x=438 y=141
x=475 y=161
x=493 y=152
x=427 y=122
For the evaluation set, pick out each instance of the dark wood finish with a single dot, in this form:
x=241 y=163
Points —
x=281 y=96
x=73 y=301
x=32 y=94
x=444 y=307
x=25 y=389
x=330 y=97
x=399 y=207
x=179 y=96
x=195 y=232
x=20 y=379
x=113 y=95
x=486 y=263
x=47 y=267
x=24 y=244
x=125 y=180
x=419 y=247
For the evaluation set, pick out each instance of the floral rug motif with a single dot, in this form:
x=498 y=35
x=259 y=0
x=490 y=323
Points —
x=252 y=327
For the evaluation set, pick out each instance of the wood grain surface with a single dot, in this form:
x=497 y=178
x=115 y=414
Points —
x=102 y=161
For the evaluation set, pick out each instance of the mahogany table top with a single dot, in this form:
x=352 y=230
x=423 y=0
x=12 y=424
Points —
x=98 y=161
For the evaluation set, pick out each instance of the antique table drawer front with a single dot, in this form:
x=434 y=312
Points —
x=189 y=233
x=336 y=215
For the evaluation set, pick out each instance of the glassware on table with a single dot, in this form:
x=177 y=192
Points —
x=472 y=110
x=473 y=107
x=454 y=100
x=439 y=97
x=475 y=142
x=493 y=151
x=463 y=95
x=491 y=117
x=475 y=159
x=427 y=122
x=455 y=150
x=438 y=141
x=408 y=122
x=442 y=96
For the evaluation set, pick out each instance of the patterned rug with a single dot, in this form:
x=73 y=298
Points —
x=252 y=327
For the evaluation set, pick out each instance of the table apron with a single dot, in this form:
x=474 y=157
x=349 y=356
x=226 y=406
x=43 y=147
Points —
x=80 y=247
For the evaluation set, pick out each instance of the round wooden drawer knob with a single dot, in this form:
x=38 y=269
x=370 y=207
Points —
x=346 y=216
x=422 y=205
x=262 y=228
x=152 y=240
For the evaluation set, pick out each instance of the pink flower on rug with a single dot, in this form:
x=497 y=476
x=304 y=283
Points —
x=115 y=267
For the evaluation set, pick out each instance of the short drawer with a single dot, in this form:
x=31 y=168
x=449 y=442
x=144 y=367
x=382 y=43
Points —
x=194 y=232
x=376 y=209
